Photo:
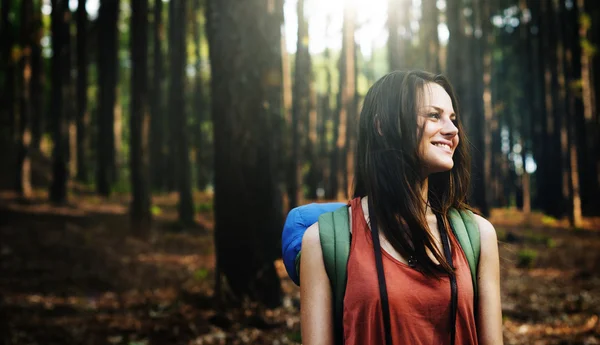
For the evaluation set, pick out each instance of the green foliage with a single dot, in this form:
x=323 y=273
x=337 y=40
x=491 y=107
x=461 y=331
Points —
x=588 y=48
x=547 y=220
x=155 y=210
x=122 y=186
x=585 y=21
x=501 y=234
x=294 y=336
x=203 y=207
x=201 y=274
x=526 y=258
x=539 y=239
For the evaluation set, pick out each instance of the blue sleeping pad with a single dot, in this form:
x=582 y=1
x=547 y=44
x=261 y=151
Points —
x=298 y=220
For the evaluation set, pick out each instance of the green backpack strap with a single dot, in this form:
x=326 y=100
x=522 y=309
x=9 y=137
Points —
x=334 y=233
x=467 y=233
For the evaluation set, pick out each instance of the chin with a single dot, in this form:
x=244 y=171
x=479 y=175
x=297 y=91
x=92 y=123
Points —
x=439 y=167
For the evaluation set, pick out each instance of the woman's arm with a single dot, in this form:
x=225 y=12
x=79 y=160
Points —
x=490 y=310
x=315 y=292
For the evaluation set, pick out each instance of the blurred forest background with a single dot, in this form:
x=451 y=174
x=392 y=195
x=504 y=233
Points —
x=151 y=149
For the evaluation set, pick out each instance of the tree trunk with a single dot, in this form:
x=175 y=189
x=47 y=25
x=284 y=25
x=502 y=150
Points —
x=37 y=79
x=538 y=113
x=593 y=8
x=398 y=14
x=551 y=165
x=59 y=25
x=573 y=118
x=139 y=119
x=348 y=115
x=158 y=169
x=24 y=159
x=7 y=94
x=456 y=66
x=488 y=110
x=203 y=165
x=82 y=118
x=300 y=108
x=246 y=74
x=108 y=15
x=429 y=36
x=587 y=125
x=177 y=63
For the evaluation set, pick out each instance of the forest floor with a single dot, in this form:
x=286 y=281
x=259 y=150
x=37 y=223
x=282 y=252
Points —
x=72 y=275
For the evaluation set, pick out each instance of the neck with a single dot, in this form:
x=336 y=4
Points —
x=425 y=195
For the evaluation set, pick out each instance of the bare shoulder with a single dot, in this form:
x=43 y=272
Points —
x=487 y=232
x=311 y=239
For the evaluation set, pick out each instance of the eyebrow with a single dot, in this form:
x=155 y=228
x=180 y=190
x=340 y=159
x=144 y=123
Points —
x=441 y=110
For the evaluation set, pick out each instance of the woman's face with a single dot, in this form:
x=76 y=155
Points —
x=440 y=135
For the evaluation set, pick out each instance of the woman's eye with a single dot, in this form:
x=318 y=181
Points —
x=434 y=116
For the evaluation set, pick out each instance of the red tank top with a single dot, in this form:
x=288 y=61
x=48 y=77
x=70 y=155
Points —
x=419 y=305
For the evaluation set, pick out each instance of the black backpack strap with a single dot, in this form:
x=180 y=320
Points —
x=385 y=306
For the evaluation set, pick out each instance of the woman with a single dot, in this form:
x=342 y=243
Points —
x=412 y=166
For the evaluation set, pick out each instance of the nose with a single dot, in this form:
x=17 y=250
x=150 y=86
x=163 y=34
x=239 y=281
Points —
x=449 y=128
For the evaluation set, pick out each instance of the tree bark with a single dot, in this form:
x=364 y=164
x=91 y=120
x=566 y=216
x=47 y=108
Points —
x=108 y=15
x=246 y=76
x=59 y=26
x=429 y=36
x=178 y=125
x=573 y=118
x=82 y=118
x=8 y=95
x=202 y=145
x=551 y=165
x=139 y=119
x=300 y=109
x=157 y=124
x=397 y=24
x=37 y=79
x=587 y=127
x=478 y=130
x=24 y=153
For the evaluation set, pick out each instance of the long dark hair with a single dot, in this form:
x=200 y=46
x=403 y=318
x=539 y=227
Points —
x=390 y=171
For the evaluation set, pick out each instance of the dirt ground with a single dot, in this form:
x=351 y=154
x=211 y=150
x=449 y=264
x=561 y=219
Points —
x=72 y=275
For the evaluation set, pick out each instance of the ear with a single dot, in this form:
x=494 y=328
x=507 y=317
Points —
x=378 y=125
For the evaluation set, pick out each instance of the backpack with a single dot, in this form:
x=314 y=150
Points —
x=334 y=233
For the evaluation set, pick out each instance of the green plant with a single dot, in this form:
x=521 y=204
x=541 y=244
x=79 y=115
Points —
x=201 y=274
x=294 y=336
x=547 y=220
x=204 y=207
x=501 y=234
x=155 y=210
x=526 y=258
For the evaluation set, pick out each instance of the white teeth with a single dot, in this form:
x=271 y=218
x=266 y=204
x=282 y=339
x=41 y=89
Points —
x=442 y=145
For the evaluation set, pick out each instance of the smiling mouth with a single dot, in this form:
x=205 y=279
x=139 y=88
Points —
x=444 y=147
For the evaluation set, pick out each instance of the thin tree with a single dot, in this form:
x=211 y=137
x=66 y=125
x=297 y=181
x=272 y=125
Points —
x=397 y=23
x=244 y=39
x=82 y=118
x=37 y=77
x=59 y=27
x=24 y=152
x=429 y=36
x=344 y=116
x=157 y=123
x=199 y=105
x=108 y=15
x=300 y=107
x=139 y=119
x=589 y=125
x=178 y=124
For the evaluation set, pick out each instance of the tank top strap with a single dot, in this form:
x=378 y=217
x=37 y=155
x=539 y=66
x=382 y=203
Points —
x=357 y=216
